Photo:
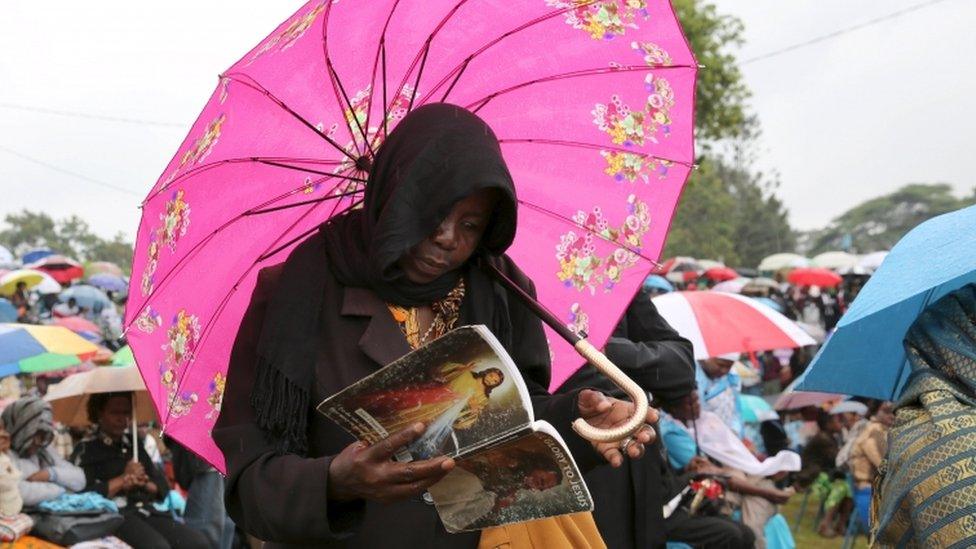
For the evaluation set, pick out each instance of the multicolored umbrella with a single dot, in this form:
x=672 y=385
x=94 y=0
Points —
x=9 y=280
x=123 y=357
x=717 y=323
x=31 y=348
x=8 y=313
x=61 y=268
x=812 y=276
x=594 y=97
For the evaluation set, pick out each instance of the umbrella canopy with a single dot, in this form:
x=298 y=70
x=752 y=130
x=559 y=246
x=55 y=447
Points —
x=731 y=286
x=721 y=274
x=678 y=264
x=123 y=357
x=103 y=267
x=81 y=326
x=706 y=264
x=6 y=258
x=755 y=409
x=31 y=348
x=793 y=399
x=760 y=286
x=36 y=254
x=872 y=261
x=658 y=282
x=771 y=303
x=9 y=281
x=813 y=276
x=835 y=260
x=717 y=323
x=580 y=98
x=108 y=282
x=86 y=296
x=780 y=261
x=69 y=398
x=60 y=268
x=8 y=313
x=865 y=355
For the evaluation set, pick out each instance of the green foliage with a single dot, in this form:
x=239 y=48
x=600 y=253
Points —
x=729 y=214
x=70 y=236
x=879 y=223
x=720 y=105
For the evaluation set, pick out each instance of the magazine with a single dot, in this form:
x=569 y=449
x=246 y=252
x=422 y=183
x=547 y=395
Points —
x=469 y=393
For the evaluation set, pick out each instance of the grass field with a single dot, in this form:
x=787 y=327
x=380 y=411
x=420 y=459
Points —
x=806 y=537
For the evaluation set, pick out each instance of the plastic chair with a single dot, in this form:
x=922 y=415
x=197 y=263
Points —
x=821 y=510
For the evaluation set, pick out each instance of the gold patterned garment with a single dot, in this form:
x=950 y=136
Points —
x=925 y=494
x=447 y=311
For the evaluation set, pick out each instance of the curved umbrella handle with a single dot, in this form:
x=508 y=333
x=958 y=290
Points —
x=620 y=379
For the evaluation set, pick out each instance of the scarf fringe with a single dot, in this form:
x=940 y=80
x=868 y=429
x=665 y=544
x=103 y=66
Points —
x=282 y=409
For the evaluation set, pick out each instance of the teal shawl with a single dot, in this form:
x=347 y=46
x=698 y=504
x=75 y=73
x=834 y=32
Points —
x=925 y=495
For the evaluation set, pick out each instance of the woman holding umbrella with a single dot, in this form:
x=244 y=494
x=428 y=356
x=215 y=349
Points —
x=106 y=458
x=366 y=288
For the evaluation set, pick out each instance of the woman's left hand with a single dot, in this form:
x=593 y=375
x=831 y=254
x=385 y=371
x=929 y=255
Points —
x=599 y=410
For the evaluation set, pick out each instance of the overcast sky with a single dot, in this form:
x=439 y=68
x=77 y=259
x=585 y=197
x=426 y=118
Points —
x=842 y=120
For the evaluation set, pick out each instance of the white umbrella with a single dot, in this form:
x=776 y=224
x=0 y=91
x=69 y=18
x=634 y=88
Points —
x=872 y=260
x=776 y=262
x=732 y=286
x=835 y=260
x=5 y=256
x=69 y=398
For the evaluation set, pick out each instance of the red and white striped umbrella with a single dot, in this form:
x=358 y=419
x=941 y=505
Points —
x=717 y=323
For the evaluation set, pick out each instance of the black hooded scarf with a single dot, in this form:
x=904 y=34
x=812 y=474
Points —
x=437 y=155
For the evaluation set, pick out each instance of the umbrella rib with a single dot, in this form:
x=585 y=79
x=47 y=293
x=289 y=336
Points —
x=380 y=54
x=338 y=89
x=309 y=170
x=562 y=217
x=592 y=146
x=565 y=76
x=302 y=203
x=211 y=165
x=239 y=77
x=495 y=41
x=206 y=331
x=196 y=247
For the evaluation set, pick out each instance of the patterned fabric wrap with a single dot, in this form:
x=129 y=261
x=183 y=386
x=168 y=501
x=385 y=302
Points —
x=24 y=418
x=12 y=528
x=925 y=493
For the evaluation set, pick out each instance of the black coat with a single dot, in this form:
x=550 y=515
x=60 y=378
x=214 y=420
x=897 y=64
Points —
x=283 y=498
x=628 y=500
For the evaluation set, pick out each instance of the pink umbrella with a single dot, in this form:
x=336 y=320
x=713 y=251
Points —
x=592 y=102
x=717 y=323
x=81 y=326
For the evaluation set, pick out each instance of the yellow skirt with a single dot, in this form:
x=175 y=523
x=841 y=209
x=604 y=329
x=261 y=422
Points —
x=577 y=531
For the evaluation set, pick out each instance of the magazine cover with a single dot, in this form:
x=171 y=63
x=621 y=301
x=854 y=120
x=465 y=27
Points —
x=463 y=385
x=528 y=478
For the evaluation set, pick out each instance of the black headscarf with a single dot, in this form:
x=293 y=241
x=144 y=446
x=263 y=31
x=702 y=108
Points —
x=439 y=154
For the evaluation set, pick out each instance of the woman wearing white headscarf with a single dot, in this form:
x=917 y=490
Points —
x=45 y=474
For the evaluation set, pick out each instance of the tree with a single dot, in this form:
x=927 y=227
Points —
x=70 y=236
x=878 y=223
x=702 y=226
x=759 y=217
x=720 y=104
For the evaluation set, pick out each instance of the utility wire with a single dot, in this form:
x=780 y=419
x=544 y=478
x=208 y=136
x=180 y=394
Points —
x=67 y=172
x=843 y=31
x=76 y=114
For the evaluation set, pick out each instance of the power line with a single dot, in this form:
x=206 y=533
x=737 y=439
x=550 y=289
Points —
x=843 y=31
x=67 y=172
x=90 y=116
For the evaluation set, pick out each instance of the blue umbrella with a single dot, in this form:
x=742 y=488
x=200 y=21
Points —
x=108 y=282
x=865 y=356
x=86 y=296
x=8 y=313
x=36 y=254
x=656 y=282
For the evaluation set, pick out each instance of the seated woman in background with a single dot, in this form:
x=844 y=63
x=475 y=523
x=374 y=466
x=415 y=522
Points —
x=45 y=474
x=106 y=457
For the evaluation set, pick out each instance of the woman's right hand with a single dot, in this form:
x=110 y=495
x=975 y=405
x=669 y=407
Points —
x=369 y=472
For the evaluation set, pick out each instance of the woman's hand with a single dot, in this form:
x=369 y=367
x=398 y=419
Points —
x=369 y=472
x=42 y=475
x=600 y=410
